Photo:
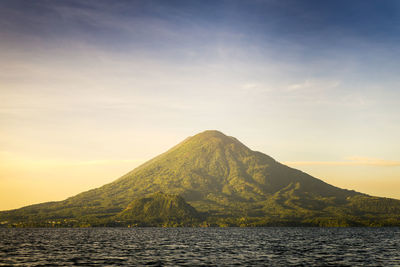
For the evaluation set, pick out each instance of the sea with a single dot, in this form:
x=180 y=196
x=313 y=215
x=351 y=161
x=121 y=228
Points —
x=272 y=246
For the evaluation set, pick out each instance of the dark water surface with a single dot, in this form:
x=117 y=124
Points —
x=201 y=246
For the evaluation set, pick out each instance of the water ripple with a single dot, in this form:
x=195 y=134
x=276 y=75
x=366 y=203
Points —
x=201 y=246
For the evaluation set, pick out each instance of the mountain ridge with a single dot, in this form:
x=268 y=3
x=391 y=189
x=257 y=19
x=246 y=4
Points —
x=221 y=177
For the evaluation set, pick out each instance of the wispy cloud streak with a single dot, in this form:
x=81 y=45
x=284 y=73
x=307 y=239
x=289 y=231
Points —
x=352 y=161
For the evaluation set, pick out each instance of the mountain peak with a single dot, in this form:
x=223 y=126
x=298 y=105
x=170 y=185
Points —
x=213 y=136
x=212 y=133
x=209 y=135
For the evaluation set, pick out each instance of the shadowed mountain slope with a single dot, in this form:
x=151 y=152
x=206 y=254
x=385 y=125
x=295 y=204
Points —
x=221 y=177
x=159 y=208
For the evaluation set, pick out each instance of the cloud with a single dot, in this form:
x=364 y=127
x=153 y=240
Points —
x=255 y=88
x=16 y=160
x=351 y=161
x=312 y=85
x=102 y=162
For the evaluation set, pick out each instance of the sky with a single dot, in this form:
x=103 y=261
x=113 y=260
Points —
x=91 y=89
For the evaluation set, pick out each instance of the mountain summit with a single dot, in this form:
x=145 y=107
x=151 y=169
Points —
x=215 y=180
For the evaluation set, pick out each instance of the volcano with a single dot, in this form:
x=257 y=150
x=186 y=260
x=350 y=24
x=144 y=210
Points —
x=211 y=179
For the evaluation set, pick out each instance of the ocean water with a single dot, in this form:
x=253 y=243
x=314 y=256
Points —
x=201 y=246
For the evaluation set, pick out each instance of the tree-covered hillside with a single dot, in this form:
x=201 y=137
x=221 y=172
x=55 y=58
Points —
x=220 y=178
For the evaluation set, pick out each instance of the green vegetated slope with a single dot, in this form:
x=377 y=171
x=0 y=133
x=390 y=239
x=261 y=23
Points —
x=225 y=182
x=159 y=209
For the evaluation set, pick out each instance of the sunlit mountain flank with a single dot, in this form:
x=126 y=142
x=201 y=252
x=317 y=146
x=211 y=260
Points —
x=212 y=179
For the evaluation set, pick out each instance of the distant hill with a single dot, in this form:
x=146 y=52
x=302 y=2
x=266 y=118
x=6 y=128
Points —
x=213 y=180
x=159 y=209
